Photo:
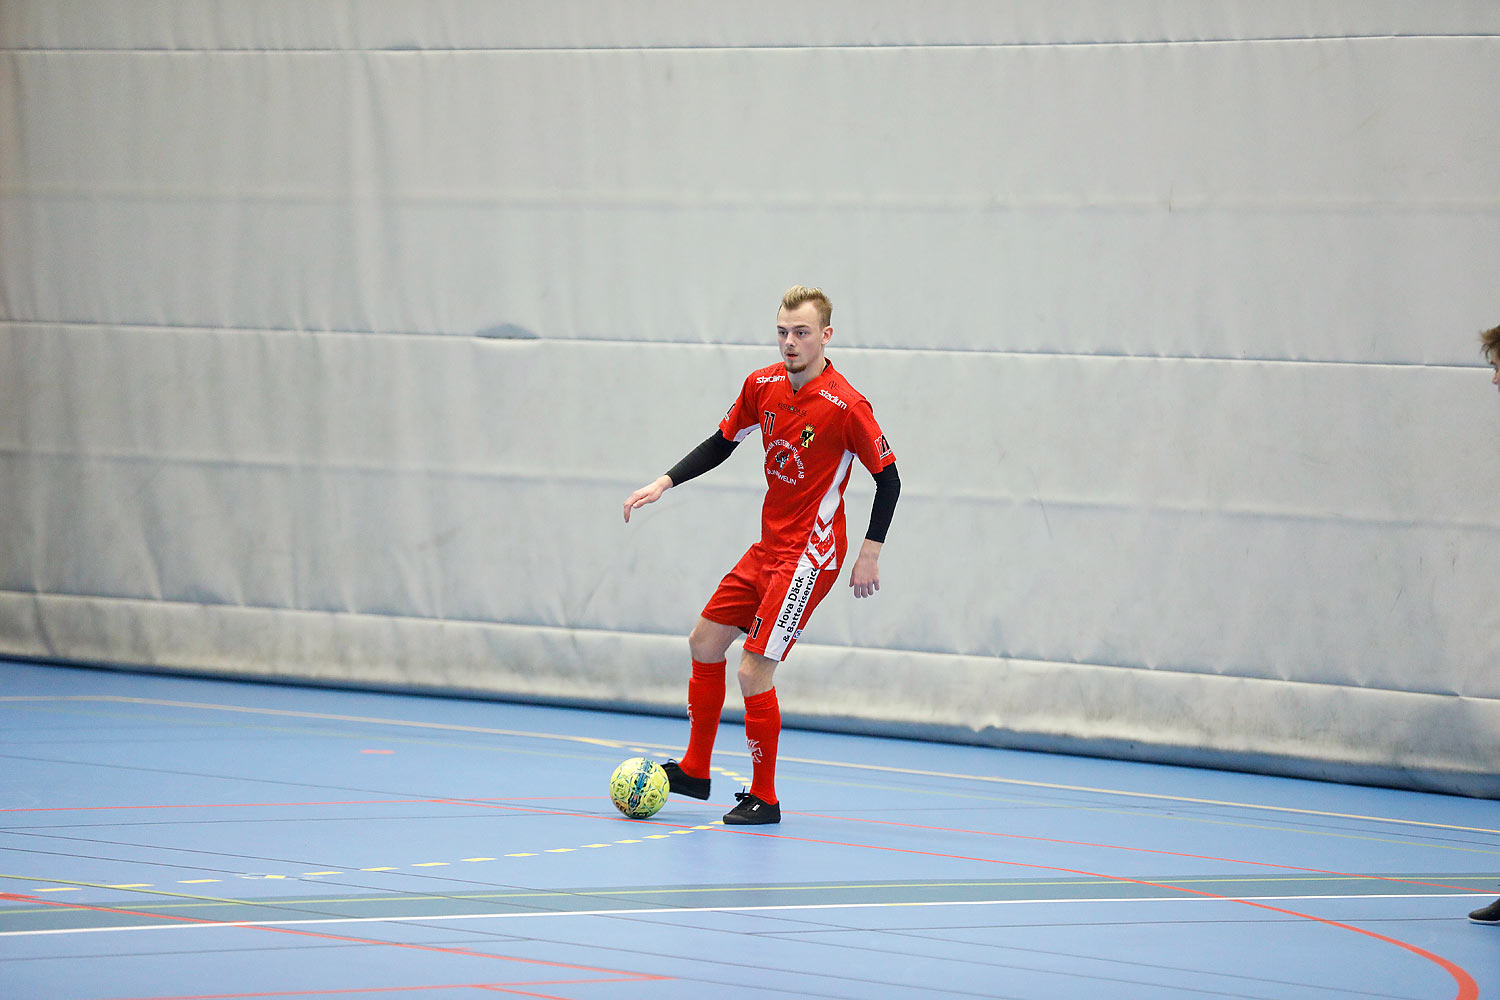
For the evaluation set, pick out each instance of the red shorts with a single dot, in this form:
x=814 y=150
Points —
x=769 y=599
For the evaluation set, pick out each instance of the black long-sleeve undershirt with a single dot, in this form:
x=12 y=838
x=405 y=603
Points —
x=887 y=490
x=708 y=455
x=715 y=448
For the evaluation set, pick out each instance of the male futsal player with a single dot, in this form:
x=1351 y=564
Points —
x=1490 y=345
x=813 y=426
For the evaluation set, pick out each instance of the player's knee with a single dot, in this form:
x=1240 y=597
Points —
x=706 y=643
x=756 y=674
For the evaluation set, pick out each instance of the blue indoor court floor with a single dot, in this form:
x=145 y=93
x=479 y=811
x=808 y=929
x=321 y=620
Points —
x=174 y=837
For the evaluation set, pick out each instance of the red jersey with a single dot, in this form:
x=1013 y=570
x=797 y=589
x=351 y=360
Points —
x=812 y=437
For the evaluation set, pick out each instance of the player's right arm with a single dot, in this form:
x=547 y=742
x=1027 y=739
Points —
x=650 y=493
x=710 y=454
x=742 y=418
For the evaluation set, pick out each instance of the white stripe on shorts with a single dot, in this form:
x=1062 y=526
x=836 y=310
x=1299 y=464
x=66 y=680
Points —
x=789 y=616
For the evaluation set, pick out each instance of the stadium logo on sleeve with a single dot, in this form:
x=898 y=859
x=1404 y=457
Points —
x=767 y=422
x=808 y=431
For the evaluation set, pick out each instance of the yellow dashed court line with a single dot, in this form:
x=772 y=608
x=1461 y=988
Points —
x=419 y=864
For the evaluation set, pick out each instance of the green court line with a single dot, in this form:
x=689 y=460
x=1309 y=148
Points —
x=658 y=911
x=1118 y=890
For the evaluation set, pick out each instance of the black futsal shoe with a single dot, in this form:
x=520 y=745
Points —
x=752 y=811
x=1488 y=915
x=685 y=784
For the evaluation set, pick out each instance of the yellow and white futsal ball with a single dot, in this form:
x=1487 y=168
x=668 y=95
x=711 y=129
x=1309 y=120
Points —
x=639 y=787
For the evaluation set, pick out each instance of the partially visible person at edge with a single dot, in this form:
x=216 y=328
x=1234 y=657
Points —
x=813 y=426
x=1489 y=342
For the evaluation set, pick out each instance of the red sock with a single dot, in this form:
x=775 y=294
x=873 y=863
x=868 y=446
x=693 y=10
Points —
x=762 y=732
x=705 y=703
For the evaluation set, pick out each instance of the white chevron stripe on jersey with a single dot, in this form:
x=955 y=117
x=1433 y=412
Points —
x=822 y=547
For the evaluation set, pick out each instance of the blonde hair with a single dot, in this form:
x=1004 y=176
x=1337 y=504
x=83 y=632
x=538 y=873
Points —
x=1490 y=345
x=799 y=294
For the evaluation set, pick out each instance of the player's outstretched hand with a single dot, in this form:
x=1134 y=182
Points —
x=865 y=576
x=647 y=494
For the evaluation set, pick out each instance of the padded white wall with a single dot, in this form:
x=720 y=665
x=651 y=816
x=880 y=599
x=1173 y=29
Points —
x=332 y=337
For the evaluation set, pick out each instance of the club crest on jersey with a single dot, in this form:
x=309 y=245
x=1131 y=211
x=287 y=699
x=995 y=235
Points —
x=784 y=462
x=807 y=435
x=767 y=422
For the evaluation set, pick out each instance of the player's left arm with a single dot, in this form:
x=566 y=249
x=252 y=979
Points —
x=865 y=576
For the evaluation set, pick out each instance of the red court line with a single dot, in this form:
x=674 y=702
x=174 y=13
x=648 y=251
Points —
x=216 y=805
x=613 y=817
x=1140 y=850
x=463 y=952
x=279 y=805
x=499 y=987
x=501 y=804
x=1468 y=989
x=522 y=993
x=486 y=804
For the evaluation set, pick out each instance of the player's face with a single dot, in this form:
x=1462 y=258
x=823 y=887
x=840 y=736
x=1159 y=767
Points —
x=1495 y=364
x=801 y=337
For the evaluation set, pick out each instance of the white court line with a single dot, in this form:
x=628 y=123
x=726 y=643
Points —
x=618 y=744
x=787 y=907
x=322 y=716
